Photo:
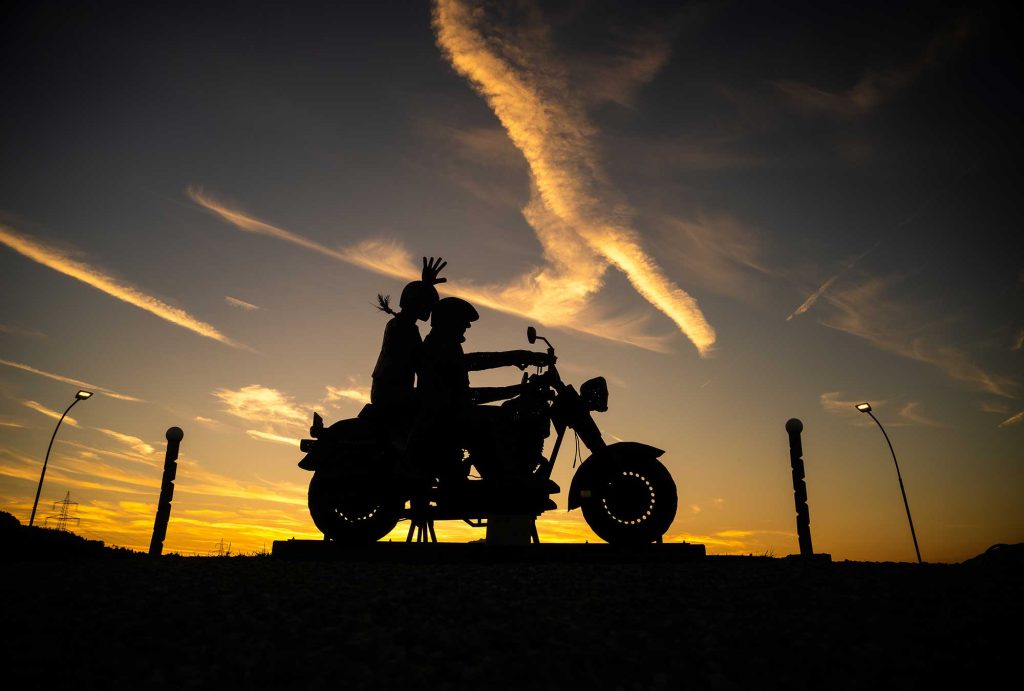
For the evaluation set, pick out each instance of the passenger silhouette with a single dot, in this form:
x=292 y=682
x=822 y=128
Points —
x=449 y=417
x=392 y=391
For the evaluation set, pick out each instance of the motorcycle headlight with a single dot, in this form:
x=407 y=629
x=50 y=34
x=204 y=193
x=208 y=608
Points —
x=594 y=393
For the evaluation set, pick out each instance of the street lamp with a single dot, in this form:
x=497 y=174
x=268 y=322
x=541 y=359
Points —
x=866 y=408
x=80 y=396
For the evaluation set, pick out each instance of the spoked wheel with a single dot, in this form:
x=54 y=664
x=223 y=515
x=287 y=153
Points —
x=352 y=511
x=631 y=503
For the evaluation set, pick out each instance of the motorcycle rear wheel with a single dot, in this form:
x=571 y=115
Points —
x=352 y=511
x=631 y=503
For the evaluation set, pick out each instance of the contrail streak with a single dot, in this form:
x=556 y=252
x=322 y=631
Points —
x=1012 y=420
x=40 y=408
x=552 y=132
x=813 y=297
x=68 y=380
x=823 y=288
x=550 y=295
x=57 y=260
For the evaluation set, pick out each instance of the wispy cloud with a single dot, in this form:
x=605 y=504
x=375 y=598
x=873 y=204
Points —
x=359 y=394
x=911 y=411
x=556 y=297
x=479 y=160
x=875 y=86
x=577 y=216
x=79 y=472
x=704 y=152
x=582 y=221
x=616 y=74
x=68 y=380
x=268 y=436
x=254 y=225
x=193 y=478
x=118 y=504
x=484 y=145
x=719 y=253
x=903 y=223
x=208 y=422
x=240 y=304
x=1018 y=340
x=93 y=473
x=19 y=331
x=812 y=298
x=130 y=454
x=993 y=407
x=735 y=541
x=128 y=440
x=832 y=403
x=60 y=261
x=1013 y=420
x=257 y=403
x=40 y=408
x=278 y=416
x=866 y=310
x=195 y=526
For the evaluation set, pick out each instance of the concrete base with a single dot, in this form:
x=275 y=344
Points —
x=480 y=552
x=816 y=558
x=510 y=530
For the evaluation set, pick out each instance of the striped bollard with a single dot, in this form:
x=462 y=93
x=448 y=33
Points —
x=796 y=460
x=163 y=509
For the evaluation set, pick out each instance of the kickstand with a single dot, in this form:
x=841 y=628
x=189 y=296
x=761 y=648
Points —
x=421 y=525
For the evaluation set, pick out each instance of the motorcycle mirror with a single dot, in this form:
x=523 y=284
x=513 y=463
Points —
x=531 y=335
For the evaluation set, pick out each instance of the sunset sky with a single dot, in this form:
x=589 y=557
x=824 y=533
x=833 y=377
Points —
x=738 y=213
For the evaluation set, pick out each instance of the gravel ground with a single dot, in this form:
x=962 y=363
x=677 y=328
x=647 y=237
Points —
x=718 y=622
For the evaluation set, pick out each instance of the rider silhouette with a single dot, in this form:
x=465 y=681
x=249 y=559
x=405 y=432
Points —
x=392 y=392
x=449 y=415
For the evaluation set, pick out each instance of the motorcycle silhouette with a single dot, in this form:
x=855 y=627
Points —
x=357 y=494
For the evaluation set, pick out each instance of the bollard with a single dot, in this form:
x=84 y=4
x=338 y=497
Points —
x=163 y=509
x=803 y=514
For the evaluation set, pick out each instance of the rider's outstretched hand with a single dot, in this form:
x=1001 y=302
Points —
x=534 y=359
x=431 y=268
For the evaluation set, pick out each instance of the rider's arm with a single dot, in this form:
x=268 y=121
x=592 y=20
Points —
x=509 y=358
x=489 y=394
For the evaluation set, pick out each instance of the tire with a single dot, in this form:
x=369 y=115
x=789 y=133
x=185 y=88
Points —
x=352 y=511
x=631 y=503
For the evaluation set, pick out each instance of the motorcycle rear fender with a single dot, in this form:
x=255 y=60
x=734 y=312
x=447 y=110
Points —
x=602 y=460
x=352 y=438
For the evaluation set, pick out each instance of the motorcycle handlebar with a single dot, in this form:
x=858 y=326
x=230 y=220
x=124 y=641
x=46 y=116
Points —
x=547 y=379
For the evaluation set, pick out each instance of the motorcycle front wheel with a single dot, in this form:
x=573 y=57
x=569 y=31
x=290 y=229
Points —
x=352 y=511
x=631 y=503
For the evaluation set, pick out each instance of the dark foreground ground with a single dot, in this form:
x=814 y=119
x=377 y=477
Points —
x=718 y=622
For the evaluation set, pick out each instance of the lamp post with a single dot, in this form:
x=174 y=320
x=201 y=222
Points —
x=80 y=396
x=866 y=408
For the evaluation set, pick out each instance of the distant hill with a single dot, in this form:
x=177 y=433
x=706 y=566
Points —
x=19 y=541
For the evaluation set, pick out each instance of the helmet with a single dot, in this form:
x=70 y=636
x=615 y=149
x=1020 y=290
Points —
x=453 y=313
x=418 y=295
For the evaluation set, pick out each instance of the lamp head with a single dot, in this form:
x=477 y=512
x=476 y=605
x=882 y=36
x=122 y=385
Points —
x=82 y=395
x=864 y=407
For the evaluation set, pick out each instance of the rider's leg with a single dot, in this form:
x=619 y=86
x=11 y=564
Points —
x=481 y=434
